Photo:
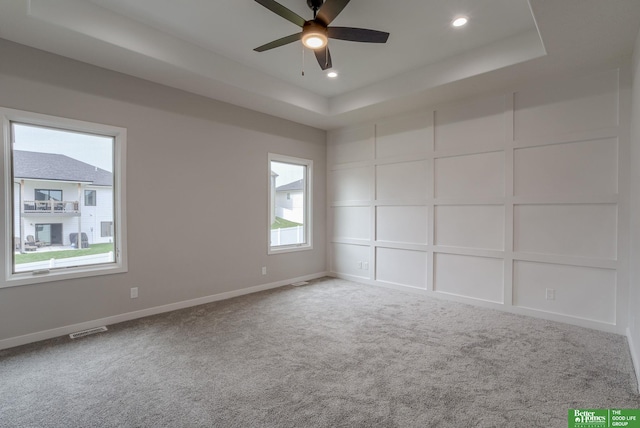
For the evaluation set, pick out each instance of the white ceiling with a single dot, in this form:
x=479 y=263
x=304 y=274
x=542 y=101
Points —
x=206 y=47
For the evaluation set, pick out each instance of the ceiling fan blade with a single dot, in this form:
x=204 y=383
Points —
x=330 y=9
x=279 y=9
x=357 y=34
x=280 y=42
x=324 y=58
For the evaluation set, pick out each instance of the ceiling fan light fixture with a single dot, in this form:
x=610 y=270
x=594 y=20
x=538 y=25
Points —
x=314 y=36
x=314 y=41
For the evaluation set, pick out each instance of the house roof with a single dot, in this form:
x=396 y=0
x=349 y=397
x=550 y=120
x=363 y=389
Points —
x=294 y=185
x=51 y=166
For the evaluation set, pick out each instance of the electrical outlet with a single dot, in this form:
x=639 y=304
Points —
x=264 y=270
x=550 y=294
x=134 y=292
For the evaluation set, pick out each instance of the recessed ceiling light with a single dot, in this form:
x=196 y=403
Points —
x=460 y=21
x=332 y=74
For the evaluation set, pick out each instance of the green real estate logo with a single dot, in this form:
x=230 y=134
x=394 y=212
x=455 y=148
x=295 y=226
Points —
x=604 y=418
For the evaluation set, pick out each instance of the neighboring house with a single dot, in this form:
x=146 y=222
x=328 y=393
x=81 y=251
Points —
x=56 y=195
x=272 y=202
x=290 y=201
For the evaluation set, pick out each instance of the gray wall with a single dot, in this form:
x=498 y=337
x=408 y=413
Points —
x=197 y=189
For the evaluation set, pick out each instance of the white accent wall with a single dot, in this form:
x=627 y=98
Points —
x=493 y=200
x=633 y=332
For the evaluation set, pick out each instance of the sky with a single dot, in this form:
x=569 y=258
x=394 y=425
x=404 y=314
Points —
x=92 y=149
x=287 y=173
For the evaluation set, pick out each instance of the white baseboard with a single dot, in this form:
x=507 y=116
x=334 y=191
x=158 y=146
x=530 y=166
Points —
x=566 y=319
x=635 y=358
x=61 y=331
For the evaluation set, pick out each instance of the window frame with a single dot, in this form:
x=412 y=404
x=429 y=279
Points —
x=308 y=204
x=8 y=278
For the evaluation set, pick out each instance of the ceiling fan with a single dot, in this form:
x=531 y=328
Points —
x=316 y=32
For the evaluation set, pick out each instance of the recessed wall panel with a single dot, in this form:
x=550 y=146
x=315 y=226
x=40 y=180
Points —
x=582 y=292
x=351 y=145
x=402 y=181
x=352 y=184
x=470 y=176
x=476 y=277
x=582 y=230
x=574 y=105
x=404 y=135
x=472 y=126
x=402 y=224
x=470 y=226
x=580 y=168
x=352 y=222
x=348 y=259
x=401 y=267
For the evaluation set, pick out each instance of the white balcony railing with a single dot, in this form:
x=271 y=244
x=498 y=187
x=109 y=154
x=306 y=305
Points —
x=51 y=207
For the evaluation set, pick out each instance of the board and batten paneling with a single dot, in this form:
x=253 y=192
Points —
x=511 y=200
x=587 y=168
x=471 y=226
x=352 y=222
x=469 y=276
x=582 y=230
x=581 y=104
x=402 y=181
x=582 y=292
x=472 y=127
x=403 y=267
x=402 y=224
x=470 y=176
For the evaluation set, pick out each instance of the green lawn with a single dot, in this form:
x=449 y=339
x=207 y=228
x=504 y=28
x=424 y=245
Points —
x=36 y=256
x=281 y=223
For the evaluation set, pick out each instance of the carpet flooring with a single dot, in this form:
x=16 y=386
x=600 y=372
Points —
x=333 y=353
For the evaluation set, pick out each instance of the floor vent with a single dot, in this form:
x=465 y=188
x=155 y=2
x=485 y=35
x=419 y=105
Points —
x=298 y=284
x=83 y=333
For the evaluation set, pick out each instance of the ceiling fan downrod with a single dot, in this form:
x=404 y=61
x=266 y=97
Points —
x=314 y=5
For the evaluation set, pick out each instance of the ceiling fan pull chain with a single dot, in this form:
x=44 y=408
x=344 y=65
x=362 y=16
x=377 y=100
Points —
x=303 y=60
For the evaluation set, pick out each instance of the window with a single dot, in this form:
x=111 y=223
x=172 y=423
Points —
x=289 y=203
x=48 y=194
x=48 y=164
x=46 y=200
x=89 y=198
x=106 y=228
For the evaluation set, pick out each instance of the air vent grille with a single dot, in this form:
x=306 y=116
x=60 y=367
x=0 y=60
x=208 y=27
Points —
x=87 y=332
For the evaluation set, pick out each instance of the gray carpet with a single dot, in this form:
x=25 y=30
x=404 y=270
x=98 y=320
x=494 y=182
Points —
x=330 y=354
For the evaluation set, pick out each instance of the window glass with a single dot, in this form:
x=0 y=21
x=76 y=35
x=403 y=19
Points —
x=289 y=209
x=90 y=198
